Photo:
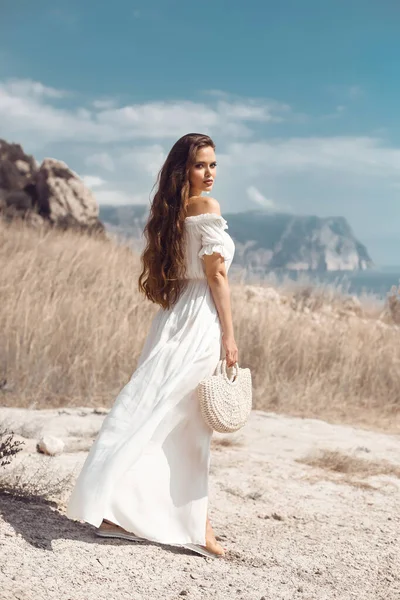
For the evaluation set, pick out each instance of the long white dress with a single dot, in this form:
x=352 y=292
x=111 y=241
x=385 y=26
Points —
x=147 y=469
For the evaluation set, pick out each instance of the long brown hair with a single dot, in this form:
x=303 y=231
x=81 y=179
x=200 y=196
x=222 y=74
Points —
x=163 y=261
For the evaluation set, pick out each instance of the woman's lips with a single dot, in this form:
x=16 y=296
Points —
x=208 y=181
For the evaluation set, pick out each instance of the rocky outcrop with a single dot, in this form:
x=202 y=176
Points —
x=63 y=197
x=266 y=241
x=50 y=195
x=17 y=173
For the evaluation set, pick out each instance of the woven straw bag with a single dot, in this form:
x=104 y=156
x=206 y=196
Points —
x=226 y=402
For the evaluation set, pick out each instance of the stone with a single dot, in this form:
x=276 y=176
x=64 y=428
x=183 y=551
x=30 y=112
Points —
x=19 y=199
x=66 y=411
x=64 y=199
x=17 y=169
x=101 y=410
x=50 y=445
x=23 y=167
x=50 y=195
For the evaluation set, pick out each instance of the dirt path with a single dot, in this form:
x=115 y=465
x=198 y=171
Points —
x=293 y=531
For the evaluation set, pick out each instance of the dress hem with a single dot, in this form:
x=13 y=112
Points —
x=162 y=541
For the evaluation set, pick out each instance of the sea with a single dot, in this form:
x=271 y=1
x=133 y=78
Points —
x=372 y=282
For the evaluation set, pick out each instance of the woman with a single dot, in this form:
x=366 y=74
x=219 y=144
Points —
x=146 y=475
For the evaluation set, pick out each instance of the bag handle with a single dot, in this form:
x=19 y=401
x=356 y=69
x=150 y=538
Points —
x=222 y=370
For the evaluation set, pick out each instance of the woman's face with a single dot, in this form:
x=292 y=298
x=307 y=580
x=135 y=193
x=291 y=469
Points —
x=203 y=172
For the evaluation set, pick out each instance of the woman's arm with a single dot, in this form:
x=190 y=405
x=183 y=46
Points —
x=218 y=281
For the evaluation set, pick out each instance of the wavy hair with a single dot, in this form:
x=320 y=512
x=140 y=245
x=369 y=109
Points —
x=163 y=261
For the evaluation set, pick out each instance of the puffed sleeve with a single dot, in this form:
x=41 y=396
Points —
x=212 y=237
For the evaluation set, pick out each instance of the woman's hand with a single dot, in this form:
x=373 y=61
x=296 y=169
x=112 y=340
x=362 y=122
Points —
x=231 y=350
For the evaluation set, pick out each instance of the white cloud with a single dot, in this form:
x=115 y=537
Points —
x=252 y=110
x=118 y=197
x=168 y=120
x=28 y=115
x=104 y=104
x=123 y=147
x=364 y=156
x=25 y=106
x=26 y=88
x=144 y=158
x=256 y=196
x=93 y=181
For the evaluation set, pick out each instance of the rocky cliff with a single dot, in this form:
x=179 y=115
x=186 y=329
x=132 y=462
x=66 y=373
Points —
x=266 y=241
x=49 y=194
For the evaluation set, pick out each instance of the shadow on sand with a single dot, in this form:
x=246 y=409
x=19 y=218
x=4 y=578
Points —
x=39 y=522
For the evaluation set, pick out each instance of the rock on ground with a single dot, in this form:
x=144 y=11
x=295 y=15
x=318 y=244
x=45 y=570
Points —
x=50 y=445
x=293 y=531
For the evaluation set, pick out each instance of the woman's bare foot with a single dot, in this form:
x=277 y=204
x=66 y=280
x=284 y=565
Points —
x=211 y=543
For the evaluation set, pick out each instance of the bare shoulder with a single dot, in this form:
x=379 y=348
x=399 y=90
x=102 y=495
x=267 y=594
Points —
x=211 y=205
x=200 y=205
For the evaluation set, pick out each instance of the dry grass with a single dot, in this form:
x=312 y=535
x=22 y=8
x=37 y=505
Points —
x=338 y=462
x=340 y=365
x=349 y=469
x=73 y=325
x=71 y=318
x=228 y=441
x=25 y=481
x=9 y=447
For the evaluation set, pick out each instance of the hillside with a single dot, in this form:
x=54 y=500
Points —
x=266 y=241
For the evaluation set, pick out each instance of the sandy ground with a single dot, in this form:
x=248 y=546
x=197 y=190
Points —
x=293 y=531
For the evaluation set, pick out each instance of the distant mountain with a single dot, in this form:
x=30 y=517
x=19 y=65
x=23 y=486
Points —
x=266 y=241
x=127 y=219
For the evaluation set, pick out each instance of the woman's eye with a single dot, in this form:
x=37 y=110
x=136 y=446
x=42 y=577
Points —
x=213 y=165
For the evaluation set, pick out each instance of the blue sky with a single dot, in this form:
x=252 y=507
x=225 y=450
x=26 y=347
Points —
x=301 y=98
